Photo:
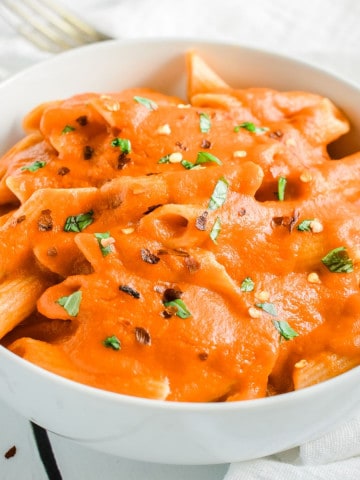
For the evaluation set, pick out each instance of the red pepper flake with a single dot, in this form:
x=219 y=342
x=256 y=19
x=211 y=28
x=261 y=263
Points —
x=21 y=218
x=152 y=208
x=88 y=152
x=192 y=264
x=52 y=252
x=205 y=143
x=130 y=291
x=171 y=294
x=122 y=160
x=142 y=336
x=181 y=146
x=276 y=134
x=82 y=120
x=10 y=453
x=203 y=356
x=287 y=221
x=149 y=257
x=242 y=212
x=63 y=171
x=200 y=222
x=45 y=222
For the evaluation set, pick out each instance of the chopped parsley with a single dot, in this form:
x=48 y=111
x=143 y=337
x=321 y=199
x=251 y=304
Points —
x=305 y=225
x=123 y=143
x=164 y=159
x=250 y=127
x=71 y=303
x=216 y=229
x=179 y=306
x=67 y=129
x=219 y=194
x=32 y=167
x=247 y=285
x=150 y=104
x=205 y=122
x=105 y=248
x=112 y=342
x=281 y=188
x=338 y=261
x=268 y=308
x=77 y=223
x=286 y=332
x=202 y=157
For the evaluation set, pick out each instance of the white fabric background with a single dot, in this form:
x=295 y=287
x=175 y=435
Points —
x=323 y=32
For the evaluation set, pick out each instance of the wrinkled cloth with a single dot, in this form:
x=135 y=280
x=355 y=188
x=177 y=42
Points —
x=320 y=32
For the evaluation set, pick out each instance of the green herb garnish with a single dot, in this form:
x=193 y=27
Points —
x=67 y=129
x=202 y=157
x=305 y=226
x=105 y=249
x=164 y=159
x=179 y=305
x=338 y=261
x=205 y=122
x=71 y=303
x=247 y=285
x=77 y=223
x=281 y=188
x=250 y=127
x=112 y=342
x=150 y=104
x=219 y=194
x=216 y=229
x=286 y=332
x=268 y=308
x=123 y=143
x=32 y=167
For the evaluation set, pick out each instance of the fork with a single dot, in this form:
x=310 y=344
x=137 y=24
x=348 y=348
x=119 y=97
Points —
x=49 y=26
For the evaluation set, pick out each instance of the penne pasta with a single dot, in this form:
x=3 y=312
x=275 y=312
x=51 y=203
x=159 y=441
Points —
x=200 y=249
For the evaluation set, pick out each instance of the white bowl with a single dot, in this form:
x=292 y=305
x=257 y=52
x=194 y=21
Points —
x=151 y=430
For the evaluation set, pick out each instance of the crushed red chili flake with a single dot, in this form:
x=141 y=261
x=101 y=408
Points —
x=88 y=152
x=63 y=171
x=192 y=264
x=181 y=146
x=287 y=221
x=21 y=218
x=52 y=252
x=200 y=222
x=130 y=291
x=166 y=314
x=171 y=294
x=276 y=134
x=142 y=336
x=10 y=453
x=203 y=356
x=152 y=208
x=242 y=212
x=82 y=120
x=45 y=222
x=205 y=143
x=149 y=257
x=122 y=160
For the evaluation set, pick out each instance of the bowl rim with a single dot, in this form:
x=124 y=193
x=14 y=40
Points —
x=266 y=402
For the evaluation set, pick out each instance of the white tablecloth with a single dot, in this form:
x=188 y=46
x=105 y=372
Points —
x=323 y=32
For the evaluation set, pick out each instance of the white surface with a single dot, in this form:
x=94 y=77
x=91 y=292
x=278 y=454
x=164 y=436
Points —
x=323 y=32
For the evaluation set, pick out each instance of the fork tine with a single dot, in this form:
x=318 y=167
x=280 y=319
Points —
x=67 y=19
x=57 y=30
